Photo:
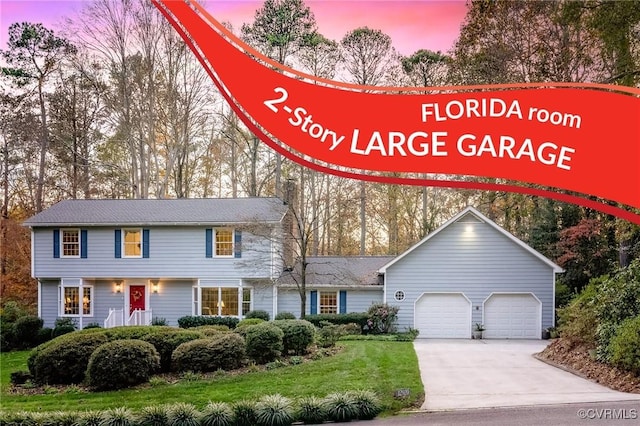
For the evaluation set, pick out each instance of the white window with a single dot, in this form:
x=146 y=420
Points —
x=246 y=301
x=75 y=299
x=224 y=242
x=70 y=243
x=132 y=242
x=328 y=302
x=222 y=301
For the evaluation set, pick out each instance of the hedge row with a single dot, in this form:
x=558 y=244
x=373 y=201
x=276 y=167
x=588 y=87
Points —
x=64 y=360
x=68 y=359
x=270 y=410
x=359 y=318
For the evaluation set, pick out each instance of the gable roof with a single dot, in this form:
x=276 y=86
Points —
x=470 y=214
x=181 y=211
x=338 y=271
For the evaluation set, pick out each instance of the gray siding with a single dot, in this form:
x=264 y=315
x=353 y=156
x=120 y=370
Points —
x=173 y=300
x=49 y=307
x=477 y=263
x=358 y=300
x=262 y=296
x=175 y=252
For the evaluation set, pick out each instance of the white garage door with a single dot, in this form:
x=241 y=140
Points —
x=443 y=315
x=512 y=316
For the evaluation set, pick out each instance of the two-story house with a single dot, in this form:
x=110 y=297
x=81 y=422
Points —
x=115 y=262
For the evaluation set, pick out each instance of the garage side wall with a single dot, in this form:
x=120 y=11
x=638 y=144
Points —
x=470 y=257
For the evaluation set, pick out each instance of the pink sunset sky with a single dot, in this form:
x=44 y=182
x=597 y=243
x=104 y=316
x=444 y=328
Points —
x=412 y=24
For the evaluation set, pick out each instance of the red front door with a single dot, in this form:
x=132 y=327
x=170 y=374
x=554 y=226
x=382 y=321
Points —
x=136 y=298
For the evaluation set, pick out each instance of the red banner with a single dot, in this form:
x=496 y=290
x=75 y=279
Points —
x=578 y=137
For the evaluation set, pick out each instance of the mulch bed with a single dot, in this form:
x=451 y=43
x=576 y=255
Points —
x=577 y=359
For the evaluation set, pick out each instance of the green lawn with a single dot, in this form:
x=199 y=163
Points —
x=379 y=366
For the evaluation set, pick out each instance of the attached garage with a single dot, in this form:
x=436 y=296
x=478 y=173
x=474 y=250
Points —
x=443 y=315
x=512 y=316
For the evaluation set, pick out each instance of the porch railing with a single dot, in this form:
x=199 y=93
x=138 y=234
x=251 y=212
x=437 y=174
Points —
x=115 y=318
x=139 y=317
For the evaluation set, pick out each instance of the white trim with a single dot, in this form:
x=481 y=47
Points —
x=517 y=293
x=553 y=302
x=483 y=218
x=218 y=283
x=33 y=257
x=214 y=253
x=79 y=283
x=122 y=243
x=127 y=291
x=449 y=293
x=336 y=292
x=61 y=242
x=39 y=299
x=274 y=306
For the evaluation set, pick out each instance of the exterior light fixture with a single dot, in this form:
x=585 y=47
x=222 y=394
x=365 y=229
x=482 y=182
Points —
x=118 y=286
x=154 y=286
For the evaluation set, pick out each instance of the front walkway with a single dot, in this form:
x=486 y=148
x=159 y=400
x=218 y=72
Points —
x=462 y=374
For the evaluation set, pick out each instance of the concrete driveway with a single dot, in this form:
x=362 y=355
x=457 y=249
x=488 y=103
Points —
x=462 y=374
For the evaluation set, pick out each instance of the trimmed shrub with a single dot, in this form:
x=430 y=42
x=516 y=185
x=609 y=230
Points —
x=64 y=325
x=242 y=326
x=368 y=404
x=382 y=318
x=213 y=330
x=258 y=313
x=274 y=410
x=64 y=360
x=20 y=377
x=191 y=321
x=92 y=325
x=311 y=410
x=25 y=331
x=328 y=334
x=341 y=407
x=625 y=346
x=120 y=416
x=359 y=318
x=44 y=335
x=63 y=329
x=264 y=342
x=135 y=332
x=166 y=341
x=224 y=352
x=183 y=414
x=154 y=415
x=298 y=335
x=122 y=363
x=244 y=413
x=285 y=316
x=217 y=414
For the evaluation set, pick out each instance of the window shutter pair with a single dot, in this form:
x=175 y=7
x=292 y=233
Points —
x=118 y=243
x=342 y=302
x=83 y=243
x=237 y=243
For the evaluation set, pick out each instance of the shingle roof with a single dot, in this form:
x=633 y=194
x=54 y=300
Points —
x=192 y=211
x=339 y=271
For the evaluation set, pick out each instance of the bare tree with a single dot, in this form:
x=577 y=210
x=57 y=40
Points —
x=366 y=56
x=279 y=29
